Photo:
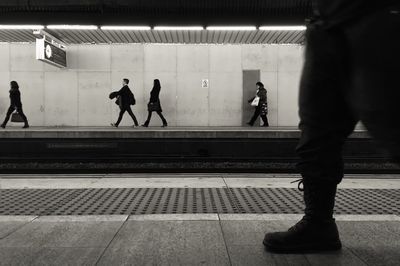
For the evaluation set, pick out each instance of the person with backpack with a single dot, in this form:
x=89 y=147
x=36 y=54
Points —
x=15 y=105
x=125 y=99
x=154 y=104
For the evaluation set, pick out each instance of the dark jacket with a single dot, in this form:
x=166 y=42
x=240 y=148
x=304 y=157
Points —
x=15 y=98
x=125 y=97
x=262 y=93
x=155 y=95
x=154 y=103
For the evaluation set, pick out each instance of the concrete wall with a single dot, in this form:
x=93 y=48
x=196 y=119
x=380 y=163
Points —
x=78 y=96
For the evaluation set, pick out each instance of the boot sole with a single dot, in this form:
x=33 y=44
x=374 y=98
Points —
x=314 y=248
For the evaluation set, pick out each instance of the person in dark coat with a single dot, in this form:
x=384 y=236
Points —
x=154 y=104
x=347 y=77
x=15 y=104
x=262 y=108
x=125 y=99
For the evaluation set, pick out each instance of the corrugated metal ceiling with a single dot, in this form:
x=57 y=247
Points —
x=154 y=36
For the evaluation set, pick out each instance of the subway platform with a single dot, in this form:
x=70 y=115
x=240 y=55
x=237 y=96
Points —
x=185 y=219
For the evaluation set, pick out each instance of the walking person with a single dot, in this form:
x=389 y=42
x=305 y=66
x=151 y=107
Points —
x=125 y=99
x=347 y=76
x=154 y=104
x=15 y=105
x=261 y=105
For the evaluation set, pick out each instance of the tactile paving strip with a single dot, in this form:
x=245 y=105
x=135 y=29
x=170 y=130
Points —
x=186 y=200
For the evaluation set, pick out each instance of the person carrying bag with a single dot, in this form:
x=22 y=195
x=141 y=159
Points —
x=15 y=105
x=260 y=103
x=154 y=104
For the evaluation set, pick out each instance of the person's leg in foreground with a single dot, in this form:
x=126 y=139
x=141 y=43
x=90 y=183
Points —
x=345 y=76
x=325 y=122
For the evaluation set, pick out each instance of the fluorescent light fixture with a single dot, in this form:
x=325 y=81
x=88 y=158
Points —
x=179 y=28
x=288 y=28
x=72 y=27
x=21 y=27
x=234 y=28
x=125 y=28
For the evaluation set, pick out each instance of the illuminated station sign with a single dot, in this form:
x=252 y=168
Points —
x=51 y=51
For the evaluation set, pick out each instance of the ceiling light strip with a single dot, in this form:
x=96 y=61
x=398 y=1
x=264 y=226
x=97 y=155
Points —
x=21 y=27
x=72 y=27
x=231 y=28
x=125 y=28
x=283 y=28
x=176 y=28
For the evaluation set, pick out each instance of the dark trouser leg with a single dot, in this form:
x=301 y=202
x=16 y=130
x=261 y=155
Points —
x=8 y=114
x=375 y=76
x=132 y=115
x=265 y=120
x=121 y=114
x=164 y=121
x=148 y=119
x=326 y=120
x=21 y=113
x=255 y=116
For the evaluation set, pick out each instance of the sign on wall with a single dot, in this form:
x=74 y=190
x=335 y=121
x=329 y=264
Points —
x=51 y=52
x=205 y=84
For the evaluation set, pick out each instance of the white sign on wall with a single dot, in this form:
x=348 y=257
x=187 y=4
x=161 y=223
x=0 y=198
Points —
x=205 y=84
x=51 y=52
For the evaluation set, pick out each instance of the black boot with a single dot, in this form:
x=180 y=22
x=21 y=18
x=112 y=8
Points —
x=3 y=125
x=317 y=230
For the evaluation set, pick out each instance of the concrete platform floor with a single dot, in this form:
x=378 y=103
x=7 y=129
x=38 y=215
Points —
x=206 y=239
x=185 y=239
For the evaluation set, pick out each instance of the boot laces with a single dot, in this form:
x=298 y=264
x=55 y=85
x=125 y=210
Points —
x=300 y=184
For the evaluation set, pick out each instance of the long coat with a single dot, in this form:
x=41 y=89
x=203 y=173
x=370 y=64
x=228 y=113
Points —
x=154 y=103
x=15 y=98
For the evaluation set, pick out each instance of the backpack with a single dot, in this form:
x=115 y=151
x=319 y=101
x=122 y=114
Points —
x=132 y=99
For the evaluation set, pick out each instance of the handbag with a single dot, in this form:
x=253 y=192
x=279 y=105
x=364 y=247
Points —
x=255 y=101
x=16 y=118
x=153 y=106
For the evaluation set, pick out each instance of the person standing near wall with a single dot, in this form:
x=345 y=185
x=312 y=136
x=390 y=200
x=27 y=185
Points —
x=347 y=76
x=261 y=108
x=15 y=104
x=154 y=104
x=125 y=99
